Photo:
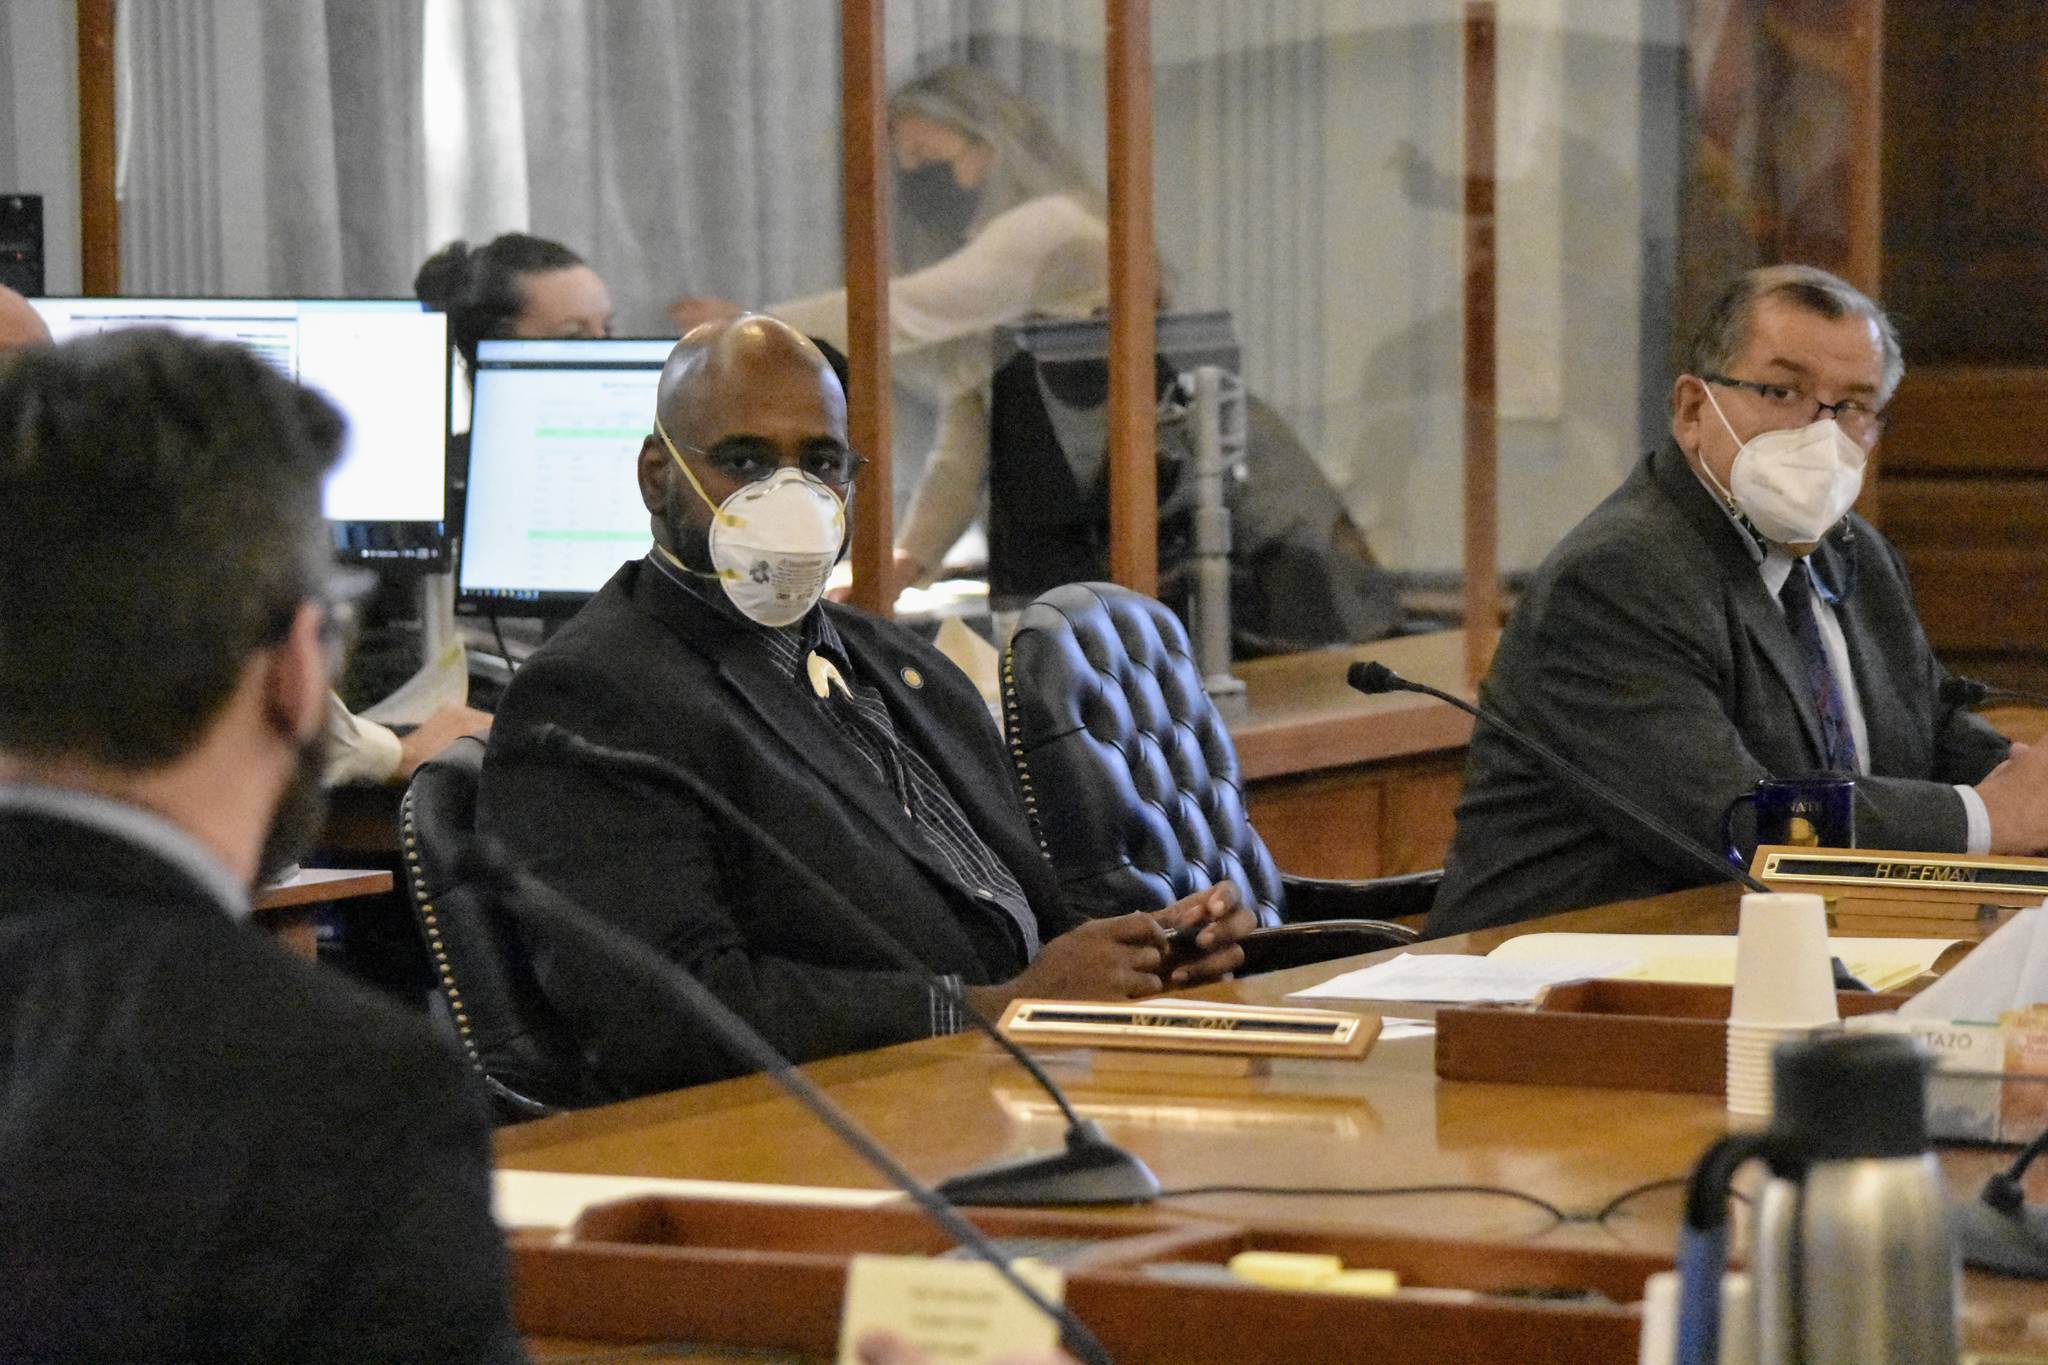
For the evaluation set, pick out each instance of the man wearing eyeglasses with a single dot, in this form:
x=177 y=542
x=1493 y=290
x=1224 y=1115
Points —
x=209 y=1148
x=856 y=754
x=1724 y=617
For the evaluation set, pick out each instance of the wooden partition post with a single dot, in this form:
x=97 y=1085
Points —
x=864 y=172
x=1133 y=298
x=98 y=210
x=1482 y=553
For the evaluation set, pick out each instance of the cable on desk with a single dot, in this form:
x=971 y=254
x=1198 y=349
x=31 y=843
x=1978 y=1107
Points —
x=1373 y=1192
x=1615 y=1205
x=498 y=634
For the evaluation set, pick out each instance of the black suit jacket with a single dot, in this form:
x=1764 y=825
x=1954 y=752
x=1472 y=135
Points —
x=1648 y=650
x=648 y=666
x=211 y=1150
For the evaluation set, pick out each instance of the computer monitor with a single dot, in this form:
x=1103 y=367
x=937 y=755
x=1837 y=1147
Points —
x=553 y=503
x=383 y=362
x=1048 y=495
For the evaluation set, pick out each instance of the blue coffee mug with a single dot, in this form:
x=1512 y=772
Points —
x=1809 y=810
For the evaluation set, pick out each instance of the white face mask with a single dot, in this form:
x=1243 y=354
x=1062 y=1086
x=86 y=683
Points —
x=1795 y=484
x=773 y=542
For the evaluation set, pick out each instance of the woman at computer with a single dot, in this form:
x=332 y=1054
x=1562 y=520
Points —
x=997 y=221
x=515 y=285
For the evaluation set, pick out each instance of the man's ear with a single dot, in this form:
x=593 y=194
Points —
x=653 y=470
x=299 y=679
x=1688 y=397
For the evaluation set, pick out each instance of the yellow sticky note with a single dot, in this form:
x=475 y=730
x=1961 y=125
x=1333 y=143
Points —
x=956 y=1312
x=1285 y=1269
x=1365 y=1283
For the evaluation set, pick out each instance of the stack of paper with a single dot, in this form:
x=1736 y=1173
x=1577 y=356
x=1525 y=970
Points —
x=550 y=1199
x=1709 y=959
x=1457 y=979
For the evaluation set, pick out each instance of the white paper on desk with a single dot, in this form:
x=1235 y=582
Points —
x=2008 y=971
x=555 y=1199
x=1458 y=979
x=441 y=681
x=1709 y=959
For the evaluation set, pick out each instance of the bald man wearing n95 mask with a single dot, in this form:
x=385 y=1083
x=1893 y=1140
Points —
x=841 y=736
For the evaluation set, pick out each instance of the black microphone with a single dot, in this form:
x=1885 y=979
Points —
x=1999 y=1230
x=1970 y=694
x=527 y=898
x=1089 y=1170
x=1376 y=678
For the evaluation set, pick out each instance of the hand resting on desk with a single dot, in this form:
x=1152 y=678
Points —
x=1127 y=956
x=2016 y=800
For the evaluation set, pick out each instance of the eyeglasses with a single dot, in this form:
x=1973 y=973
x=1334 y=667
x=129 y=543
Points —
x=1860 y=422
x=747 y=459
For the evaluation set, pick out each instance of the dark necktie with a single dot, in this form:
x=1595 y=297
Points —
x=1838 y=741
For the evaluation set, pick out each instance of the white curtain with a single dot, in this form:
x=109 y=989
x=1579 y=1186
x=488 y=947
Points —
x=270 y=148
x=1307 y=179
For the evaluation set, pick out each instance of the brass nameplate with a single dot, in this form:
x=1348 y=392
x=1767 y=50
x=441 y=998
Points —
x=1187 y=1026
x=1945 y=876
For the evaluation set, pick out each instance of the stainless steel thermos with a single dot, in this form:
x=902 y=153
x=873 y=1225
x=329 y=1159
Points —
x=1851 y=1260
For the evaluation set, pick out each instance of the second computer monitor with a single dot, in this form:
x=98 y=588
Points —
x=382 y=362
x=553 y=505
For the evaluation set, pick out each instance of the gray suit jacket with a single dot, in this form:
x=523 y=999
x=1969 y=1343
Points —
x=1648 y=650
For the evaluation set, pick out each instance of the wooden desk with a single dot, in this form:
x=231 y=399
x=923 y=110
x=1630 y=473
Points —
x=943 y=1105
x=1344 y=785
x=286 y=910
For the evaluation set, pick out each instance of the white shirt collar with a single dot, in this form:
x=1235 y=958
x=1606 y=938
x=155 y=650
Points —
x=132 y=824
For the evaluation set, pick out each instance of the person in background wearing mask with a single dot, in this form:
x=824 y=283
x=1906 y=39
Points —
x=841 y=736
x=996 y=220
x=1724 y=617
x=213 y=1150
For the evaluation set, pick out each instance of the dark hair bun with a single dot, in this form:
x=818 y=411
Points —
x=444 y=277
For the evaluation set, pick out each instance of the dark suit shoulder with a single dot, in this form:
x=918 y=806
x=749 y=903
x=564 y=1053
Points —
x=1639 y=558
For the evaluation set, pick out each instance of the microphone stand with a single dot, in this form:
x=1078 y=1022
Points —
x=526 y=897
x=1090 y=1169
x=1376 y=678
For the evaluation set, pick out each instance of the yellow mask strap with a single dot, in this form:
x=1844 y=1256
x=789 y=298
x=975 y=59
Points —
x=716 y=513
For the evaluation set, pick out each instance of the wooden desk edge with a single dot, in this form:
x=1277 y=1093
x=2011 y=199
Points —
x=1338 y=738
x=318 y=885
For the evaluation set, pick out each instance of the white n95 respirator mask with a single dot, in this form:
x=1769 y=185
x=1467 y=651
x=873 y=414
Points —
x=1795 y=484
x=773 y=542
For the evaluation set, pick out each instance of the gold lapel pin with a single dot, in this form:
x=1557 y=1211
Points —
x=912 y=678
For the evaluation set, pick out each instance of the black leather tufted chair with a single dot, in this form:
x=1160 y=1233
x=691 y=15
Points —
x=1132 y=782
x=484 y=986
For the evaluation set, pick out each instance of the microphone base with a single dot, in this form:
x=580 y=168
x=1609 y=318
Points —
x=2013 y=1243
x=1091 y=1170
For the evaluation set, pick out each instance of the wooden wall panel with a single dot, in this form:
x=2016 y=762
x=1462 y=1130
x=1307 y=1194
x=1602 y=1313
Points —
x=1968 y=420
x=1364 y=820
x=1966 y=179
x=1965 y=460
x=1319 y=824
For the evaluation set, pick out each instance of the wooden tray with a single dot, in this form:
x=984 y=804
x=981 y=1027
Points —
x=772 y=1276
x=1614 y=1034
x=740 y=1273
x=1532 y=1303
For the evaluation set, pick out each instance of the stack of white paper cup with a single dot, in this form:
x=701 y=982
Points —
x=1784 y=987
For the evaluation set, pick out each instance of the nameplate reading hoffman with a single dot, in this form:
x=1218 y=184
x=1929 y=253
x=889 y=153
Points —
x=1959 y=875
x=1171 y=1026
